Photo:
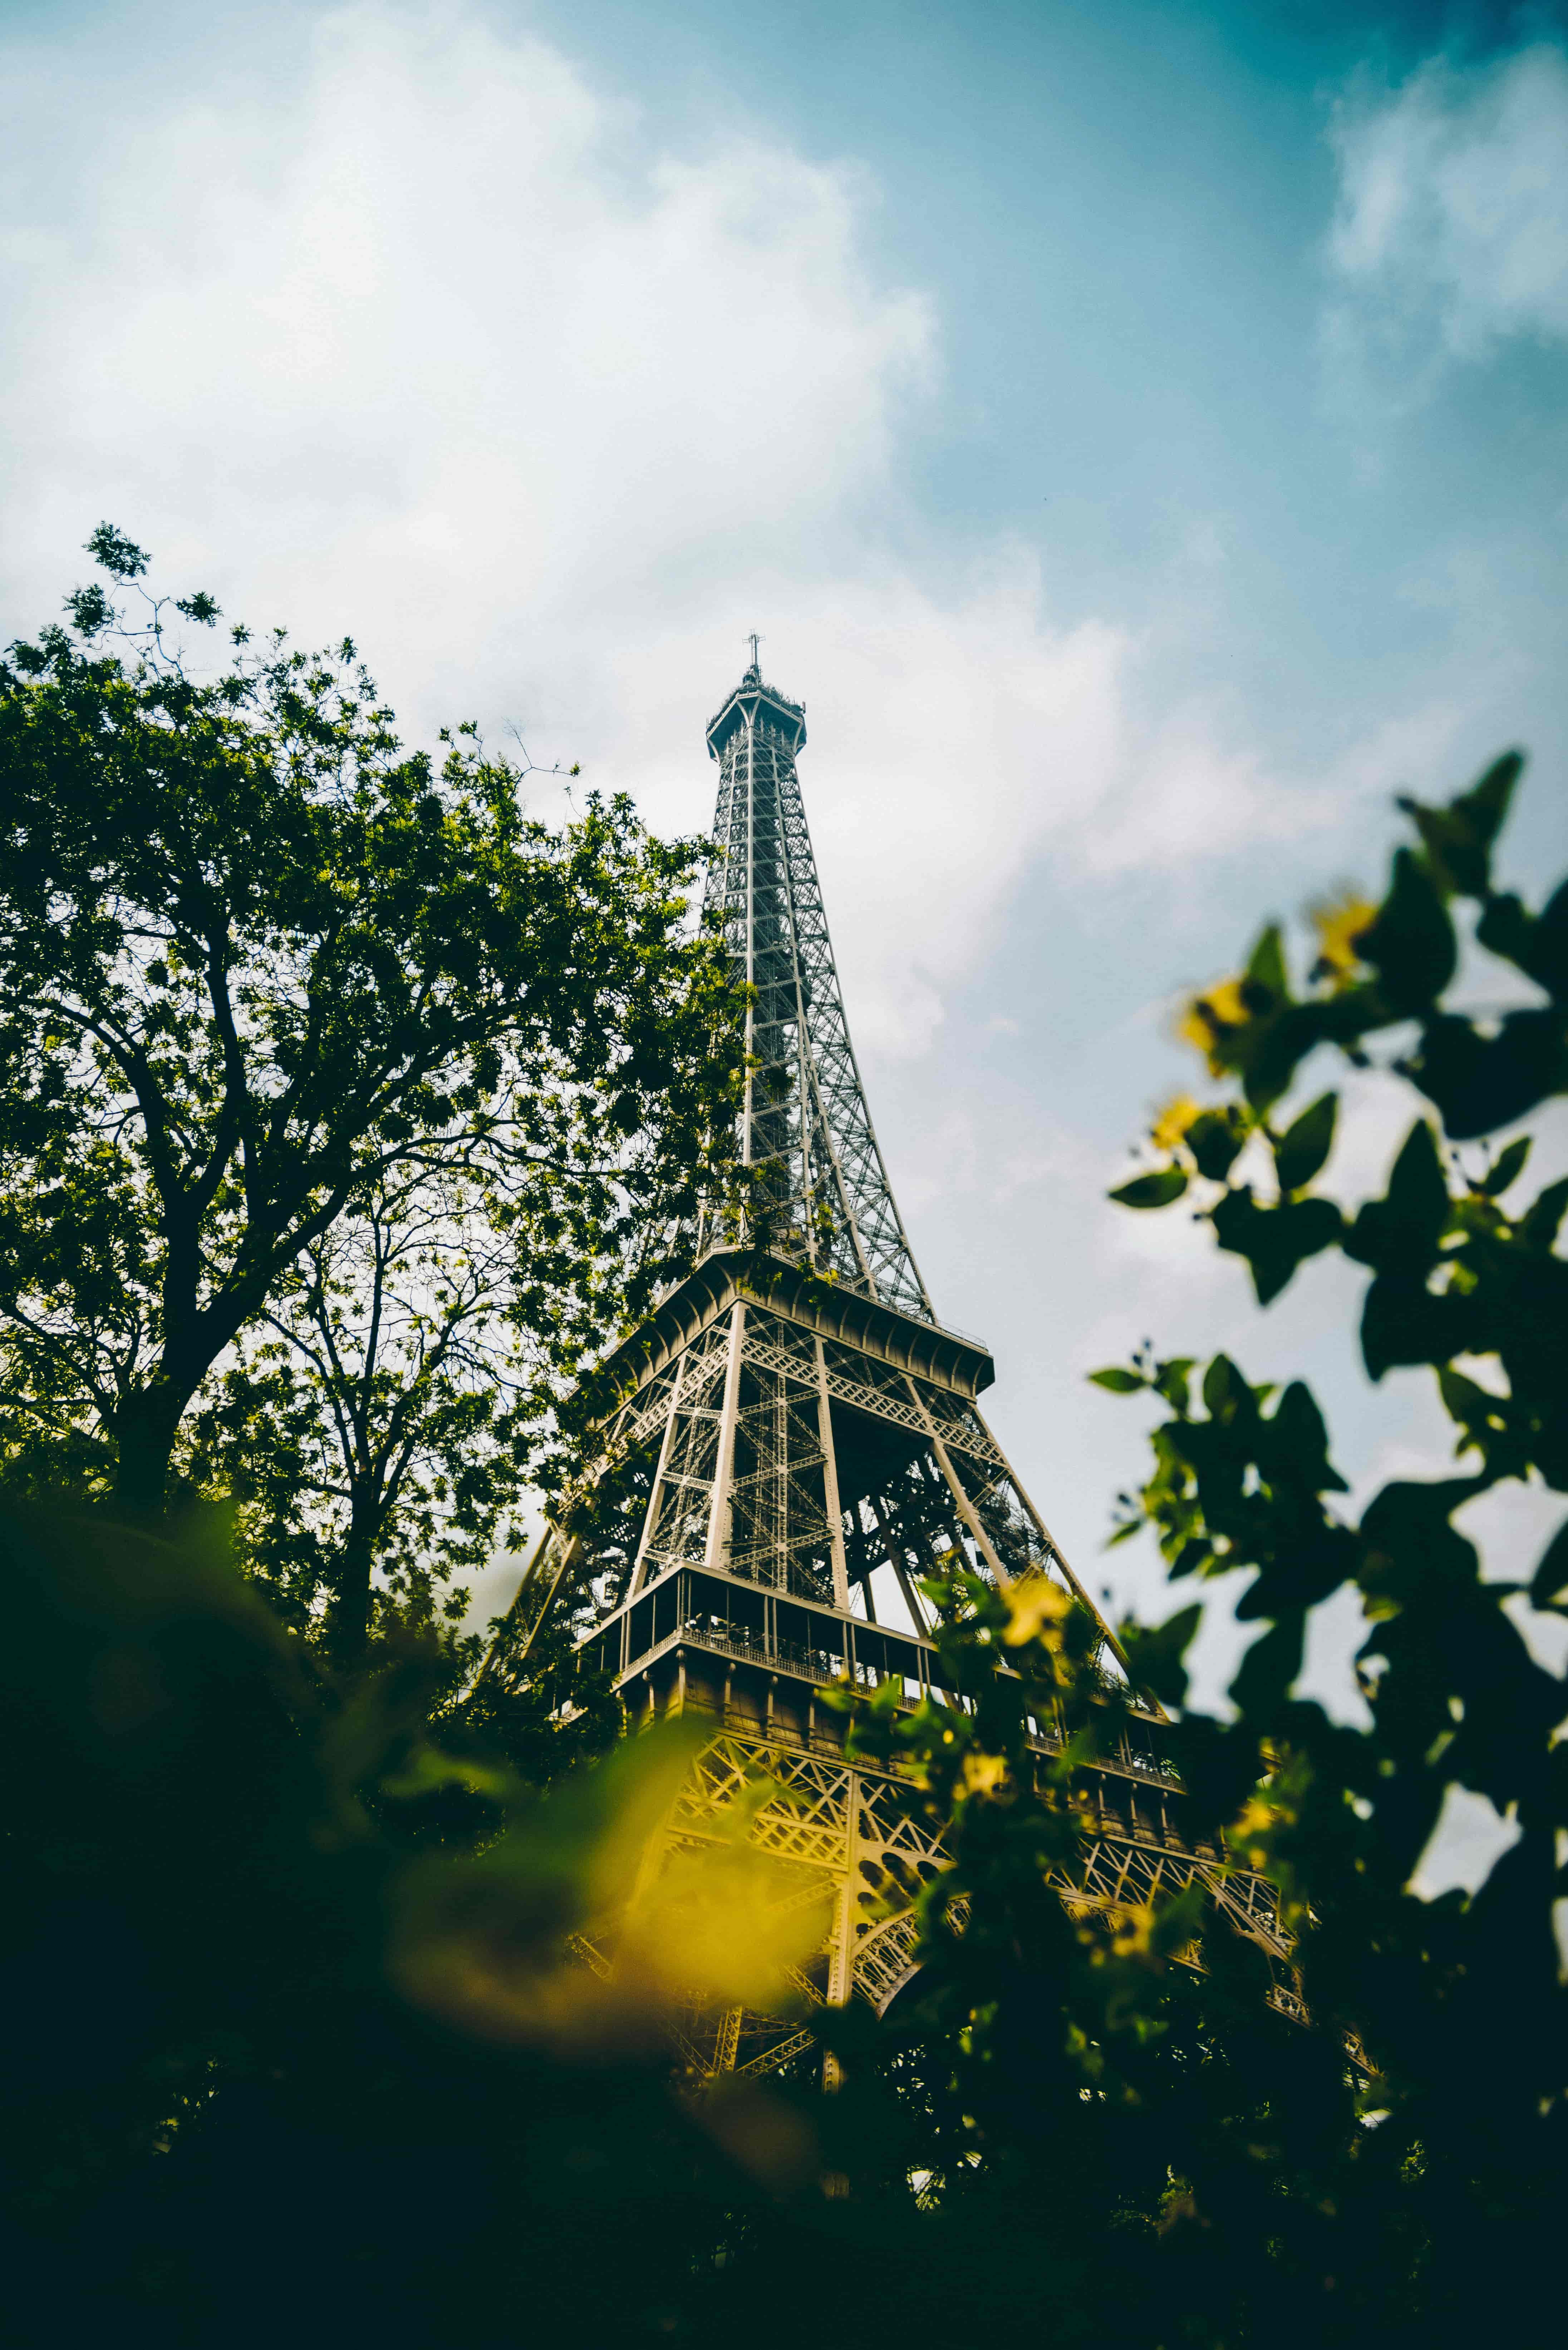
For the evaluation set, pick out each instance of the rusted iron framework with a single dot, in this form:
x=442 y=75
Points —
x=797 y=1446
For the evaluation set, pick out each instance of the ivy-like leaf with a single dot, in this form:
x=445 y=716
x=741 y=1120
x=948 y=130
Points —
x=1267 y=981
x=1510 y=1166
x=1216 y=1139
x=1464 y=1400
x=1458 y=838
x=1412 y=1549
x=1274 y=1240
x=1157 y=1190
x=1549 y=1585
x=1155 y=1654
x=1270 y=1667
x=1547 y=963
x=1403 y=1322
x=1411 y=944
x=1171 y=1381
x=1304 y=1148
x=1479 y=1083
x=1298 y=1444
x=1224 y=1388
x=1402 y=1229
x=1540 y=1227
x=1536 y=944
x=1115 y=1381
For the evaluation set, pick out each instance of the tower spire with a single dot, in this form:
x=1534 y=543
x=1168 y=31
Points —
x=804 y=1125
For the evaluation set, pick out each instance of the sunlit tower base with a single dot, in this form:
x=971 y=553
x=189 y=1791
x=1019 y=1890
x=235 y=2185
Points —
x=797 y=1447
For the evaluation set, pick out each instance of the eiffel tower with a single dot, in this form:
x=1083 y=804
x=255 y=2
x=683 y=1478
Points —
x=797 y=1447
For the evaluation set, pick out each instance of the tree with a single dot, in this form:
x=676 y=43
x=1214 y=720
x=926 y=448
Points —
x=377 y=1418
x=260 y=962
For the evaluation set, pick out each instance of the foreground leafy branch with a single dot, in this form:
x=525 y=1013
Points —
x=1457 y=2003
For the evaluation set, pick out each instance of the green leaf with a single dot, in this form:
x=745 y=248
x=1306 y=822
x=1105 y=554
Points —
x=1274 y=1240
x=1271 y=1050
x=1413 y=1553
x=1402 y=1322
x=1481 y=1082
x=1297 y=1441
x=1540 y=1227
x=1411 y=944
x=1171 y=1381
x=1509 y=1167
x=1483 y=809
x=1216 y=1139
x=1302 y=1149
x=1266 y=971
x=1270 y=1667
x=1223 y=1388
x=1157 y=1190
x=1117 y=1382
x=1417 y=1192
x=1536 y=944
x=1155 y=1654
x=1464 y=1399
x=1458 y=838
x=1547 y=963
x=1549 y=1585
x=89 y=609
x=1487 y=1422
x=1402 y=1229
x=1219 y=1764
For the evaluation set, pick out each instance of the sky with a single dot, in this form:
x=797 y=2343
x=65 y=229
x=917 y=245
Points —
x=1136 y=432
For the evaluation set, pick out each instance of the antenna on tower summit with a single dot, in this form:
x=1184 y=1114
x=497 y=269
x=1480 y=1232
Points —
x=754 y=640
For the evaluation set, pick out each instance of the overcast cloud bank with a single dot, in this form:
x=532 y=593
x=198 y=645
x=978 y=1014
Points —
x=1452 y=230
x=435 y=342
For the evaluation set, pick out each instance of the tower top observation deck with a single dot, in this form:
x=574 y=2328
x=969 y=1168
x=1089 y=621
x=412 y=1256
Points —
x=754 y=704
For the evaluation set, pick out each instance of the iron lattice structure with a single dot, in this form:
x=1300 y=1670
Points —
x=806 y=1128
x=797 y=1434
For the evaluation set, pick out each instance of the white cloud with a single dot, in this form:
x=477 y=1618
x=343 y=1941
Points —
x=1451 y=229
x=1195 y=794
x=429 y=340
x=428 y=321
x=950 y=740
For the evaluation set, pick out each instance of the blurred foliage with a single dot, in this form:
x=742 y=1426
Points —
x=1456 y=989
x=297 y=2039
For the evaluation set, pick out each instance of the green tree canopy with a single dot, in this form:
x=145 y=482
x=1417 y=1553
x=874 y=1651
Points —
x=378 y=1423
x=258 y=958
